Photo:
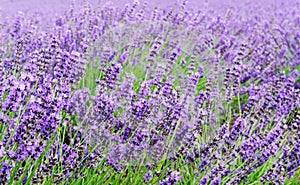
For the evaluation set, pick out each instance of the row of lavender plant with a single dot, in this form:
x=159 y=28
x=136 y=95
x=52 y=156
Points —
x=176 y=95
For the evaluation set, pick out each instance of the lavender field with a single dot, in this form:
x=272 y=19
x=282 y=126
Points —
x=159 y=92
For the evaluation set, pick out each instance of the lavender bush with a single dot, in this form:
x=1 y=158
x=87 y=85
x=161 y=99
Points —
x=192 y=93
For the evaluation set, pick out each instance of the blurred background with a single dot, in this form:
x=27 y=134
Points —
x=52 y=8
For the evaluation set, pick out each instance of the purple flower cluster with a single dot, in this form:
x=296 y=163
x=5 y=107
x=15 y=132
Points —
x=141 y=86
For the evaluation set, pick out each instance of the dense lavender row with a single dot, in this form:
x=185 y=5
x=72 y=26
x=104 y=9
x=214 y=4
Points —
x=150 y=95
